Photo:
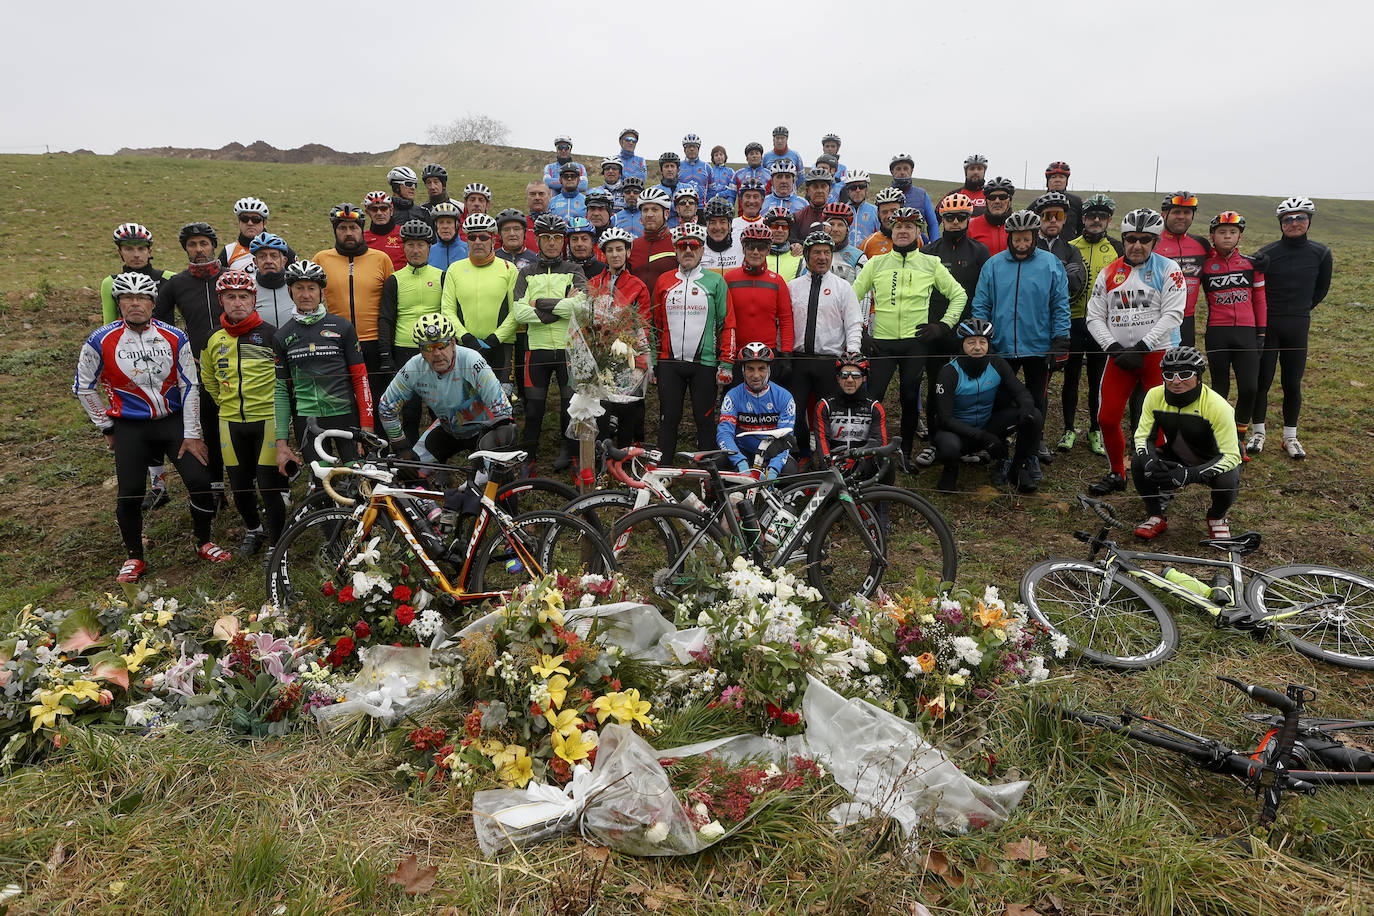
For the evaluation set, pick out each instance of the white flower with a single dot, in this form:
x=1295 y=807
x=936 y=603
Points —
x=740 y=564
x=927 y=618
x=427 y=624
x=1060 y=644
x=587 y=600
x=704 y=619
x=368 y=554
x=990 y=595
x=1038 y=672
x=712 y=831
x=955 y=680
x=699 y=809
x=879 y=657
x=143 y=713
x=591 y=579
x=657 y=832
x=966 y=647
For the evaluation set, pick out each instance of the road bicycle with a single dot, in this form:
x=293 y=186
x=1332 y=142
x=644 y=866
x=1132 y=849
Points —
x=481 y=560
x=847 y=539
x=1105 y=609
x=1295 y=754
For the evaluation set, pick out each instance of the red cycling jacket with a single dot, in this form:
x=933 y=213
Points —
x=1234 y=287
x=995 y=237
x=652 y=257
x=1189 y=251
x=762 y=306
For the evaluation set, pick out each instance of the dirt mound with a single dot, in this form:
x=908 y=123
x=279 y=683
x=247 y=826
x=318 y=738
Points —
x=259 y=151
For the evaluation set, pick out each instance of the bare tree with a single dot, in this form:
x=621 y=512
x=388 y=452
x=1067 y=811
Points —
x=471 y=127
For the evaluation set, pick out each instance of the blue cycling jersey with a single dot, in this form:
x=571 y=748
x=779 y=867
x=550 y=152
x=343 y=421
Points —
x=743 y=410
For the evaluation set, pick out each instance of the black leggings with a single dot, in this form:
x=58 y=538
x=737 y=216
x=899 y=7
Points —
x=1234 y=348
x=628 y=417
x=1285 y=348
x=1083 y=349
x=140 y=443
x=811 y=376
x=250 y=461
x=209 y=426
x=541 y=368
x=677 y=378
x=377 y=380
x=1224 y=487
x=1003 y=423
x=909 y=358
x=411 y=411
x=1035 y=372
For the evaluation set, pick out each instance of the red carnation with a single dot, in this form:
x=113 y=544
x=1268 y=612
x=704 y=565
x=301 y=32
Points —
x=361 y=630
x=401 y=593
x=328 y=589
x=405 y=614
x=346 y=595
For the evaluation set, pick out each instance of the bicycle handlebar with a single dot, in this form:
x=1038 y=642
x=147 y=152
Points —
x=329 y=474
x=1262 y=694
x=1101 y=509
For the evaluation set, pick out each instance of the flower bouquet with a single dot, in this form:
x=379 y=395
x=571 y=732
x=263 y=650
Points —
x=608 y=357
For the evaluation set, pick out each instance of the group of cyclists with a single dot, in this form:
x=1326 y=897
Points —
x=775 y=296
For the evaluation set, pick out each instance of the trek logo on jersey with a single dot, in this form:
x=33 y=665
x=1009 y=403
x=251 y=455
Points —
x=1220 y=281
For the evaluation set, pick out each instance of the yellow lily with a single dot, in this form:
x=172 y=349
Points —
x=575 y=747
x=164 y=618
x=626 y=707
x=550 y=665
x=987 y=616
x=134 y=660
x=563 y=723
x=83 y=690
x=558 y=690
x=49 y=707
x=519 y=770
x=553 y=610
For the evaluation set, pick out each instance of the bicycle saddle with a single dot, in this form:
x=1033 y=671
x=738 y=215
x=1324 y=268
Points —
x=501 y=458
x=1242 y=544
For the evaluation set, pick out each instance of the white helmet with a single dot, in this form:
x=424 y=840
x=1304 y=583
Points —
x=477 y=187
x=402 y=173
x=1143 y=220
x=1296 y=205
x=654 y=195
x=479 y=222
x=689 y=231
x=616 y=234
x=686 y=189
x=856 y=176
x=250 y=205
x=131 y=283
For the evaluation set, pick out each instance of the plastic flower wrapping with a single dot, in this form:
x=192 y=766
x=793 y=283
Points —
x=609 y=357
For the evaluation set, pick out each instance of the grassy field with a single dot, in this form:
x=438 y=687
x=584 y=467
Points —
x=204 y=824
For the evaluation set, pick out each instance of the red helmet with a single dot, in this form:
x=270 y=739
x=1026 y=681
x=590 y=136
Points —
x=236 y=279
x=838 y=210
x=776 y=214
x=1057 y=167
x=852 y=359
x=756 y=232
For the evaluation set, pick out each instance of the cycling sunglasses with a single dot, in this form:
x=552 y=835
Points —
x=1294 y=218
x=1137 y=239
x=480 y=237
x=850 y=373
x=954 y=217
x=1182 y=375
x=998 y=197
x=250 y=218
x=436 y=347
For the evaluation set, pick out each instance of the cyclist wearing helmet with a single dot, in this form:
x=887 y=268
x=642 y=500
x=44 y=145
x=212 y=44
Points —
x=1057 y=179
x=687 y=204
x=458 y=387
x=975 y=171
x=751 y=195
x=901 y=282
x=136 y=379
x=826 y=322
x=570 y=201
x=1297 y=279
x=1053 y=208
x=600 y=209
x=832 y=166
x=632 y=166
x=851 y=419
x=1198 y=430
x=784 y=256
x=319 y=367
x=979 y=403
x=817 y=188
x=619 y=298
x=780 y=152
x=611 y=182
x=695 y=328
x=668 y=165
x=191 y=294
x=542 y=301
x=755 y=404
x=476 y=198
x=510 y=228
x=889 y=201
x=720 y=180
x=240 y=377
x=1135 y=308
x=435 y=178
x=855 y=194
x=849 y=260
x=553 y=172
x=403 y=182
x=582 y=249
x=1188 y=251
x=652 y=255
x=383 y=233
x=759 y=298
x=1024 y=292
x=411 y=292
x=1097 y=249
x=270 y=256
x=754 y=169
x=479 y=295
x=1237 y=314
x=987 y=228
x=784 y=193
x=356 y=274
x=251 y=215
x=902 y=167
x=629 y=217
x=693 y=167
x=134 y=245
x=537 y=202
x=723 y=251
x=449 y=246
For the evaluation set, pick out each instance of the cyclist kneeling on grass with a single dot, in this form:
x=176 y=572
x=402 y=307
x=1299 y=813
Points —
x=1200 y=444
x=757 y=404
x=979 y=402
x=852 y=419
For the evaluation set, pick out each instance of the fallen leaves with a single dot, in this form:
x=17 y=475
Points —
x=413 y=879
x=938 y=863
x=1025 y=849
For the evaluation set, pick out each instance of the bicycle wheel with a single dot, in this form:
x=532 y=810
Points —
x=557 y=541
x=662 y=550
x=1325 y=612
x=602 y=508
x=913 y=541
x=533 y=493
x=317 y=499
x=1112 y=621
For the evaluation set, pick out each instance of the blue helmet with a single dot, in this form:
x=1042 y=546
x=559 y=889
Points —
x=267 y=240
x=580 y=224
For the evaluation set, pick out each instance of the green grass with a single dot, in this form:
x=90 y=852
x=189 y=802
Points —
x=204 y=823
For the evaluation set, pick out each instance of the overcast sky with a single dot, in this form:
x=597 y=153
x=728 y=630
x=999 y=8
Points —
x=1266 y=97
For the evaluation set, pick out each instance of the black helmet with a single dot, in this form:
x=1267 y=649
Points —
x=974 y=327
x=1000 y=184
x=1183 y=359
x=669 y=156
x=417 y=229
x=434 y=170
x=193 y=229
x=600 y=197
x=1050 y=199
x=717 y=206
x=550 y=224
x=818 y=237
x=753 y=146
x=344 y=213
x=305 y=269
x=509 y=215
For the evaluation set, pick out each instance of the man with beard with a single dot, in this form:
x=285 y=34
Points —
x=553 y=172
x=403 y=183
x=382 y=233
x=270 y=257
x=631 y=166
x=780 y=153
x=902 y=167
x=723 y=251
x=855 y=194
x=880 y=241
x=354 y=292
x=449 y=247
x=251 y=214
x=435 y=177
x=1057 y=179
x=191 y=294
x=652 y=254
x=997 y=195
x=1187 y=250
x=975 y=170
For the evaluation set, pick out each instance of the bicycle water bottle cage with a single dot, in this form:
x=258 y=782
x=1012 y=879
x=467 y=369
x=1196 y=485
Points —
x=1241 y=544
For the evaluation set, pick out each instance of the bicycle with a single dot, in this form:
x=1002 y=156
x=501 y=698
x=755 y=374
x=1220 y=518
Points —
x=1105 y=611
x=319 y=552
x=849 y=537
x=1295 y=754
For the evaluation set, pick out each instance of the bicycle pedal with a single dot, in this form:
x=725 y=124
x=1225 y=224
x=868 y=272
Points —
x=1238 y=619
